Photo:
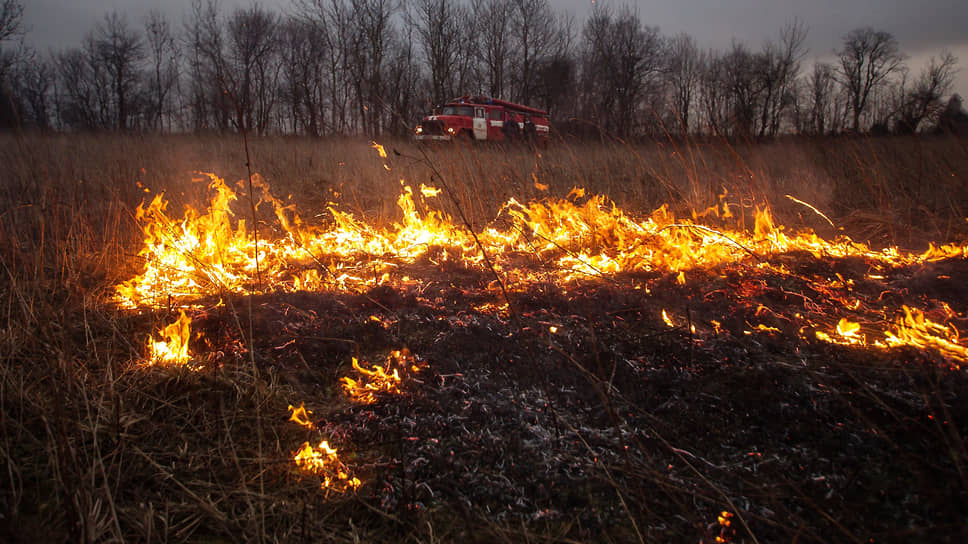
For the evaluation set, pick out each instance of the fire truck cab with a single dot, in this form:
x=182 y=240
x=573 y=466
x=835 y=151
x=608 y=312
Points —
x=481 y=118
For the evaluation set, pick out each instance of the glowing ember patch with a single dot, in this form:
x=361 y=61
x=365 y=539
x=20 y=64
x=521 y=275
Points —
x=172 y=349
x=323 y=461
x=300 y=416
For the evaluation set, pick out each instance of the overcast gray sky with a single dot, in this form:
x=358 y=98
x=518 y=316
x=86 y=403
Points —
x=922 y=27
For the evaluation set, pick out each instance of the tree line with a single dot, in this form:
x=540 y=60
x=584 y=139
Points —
x=374 y=67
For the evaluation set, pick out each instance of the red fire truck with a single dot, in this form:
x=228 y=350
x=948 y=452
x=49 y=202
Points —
x=484 y=119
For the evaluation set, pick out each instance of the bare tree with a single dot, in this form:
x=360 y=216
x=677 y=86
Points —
x=620 y=65
x=120 y=50
x=868 y=57
x=555 y=82
x=534 y=29
x=163 y=61
x=494 y=43
x=234 y=67
x=821 y=87
x=402 y=81
x=210 y=105
x=32 y=88
x=714 y=97
x=740 y=73
x=779 y=64
x=83 y=89
x=303 y=64
x=196 y=97
x=924 y=100
x=953 y=119
x=682 y=74
x=437 y=24
x=332 y=22
x=252 y=73
x=11 y=17
x=374 y=29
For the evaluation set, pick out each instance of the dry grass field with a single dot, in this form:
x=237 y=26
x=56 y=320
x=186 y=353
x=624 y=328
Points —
x=728 y=422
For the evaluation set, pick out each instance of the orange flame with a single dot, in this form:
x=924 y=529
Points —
x=214 y=252
x=847 y=329
x=913 y=329
x=379 y=149
x=172 y=349
x=667 y=319
x=300 y=416
x=373 y=383
x=323 y=461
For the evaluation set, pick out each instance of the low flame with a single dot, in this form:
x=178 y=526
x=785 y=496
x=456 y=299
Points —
x=172 y=349
x=429 y=192
x=381 y=380
x=567 y=240
x=910 y=329
x=214 y=252
x=300 y=416
x=847 y=329
x=322 y=460
x=913 y=329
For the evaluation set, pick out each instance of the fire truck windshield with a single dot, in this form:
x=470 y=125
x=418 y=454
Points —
x=465 y=111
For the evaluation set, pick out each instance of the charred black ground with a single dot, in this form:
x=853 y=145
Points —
x=617 y=425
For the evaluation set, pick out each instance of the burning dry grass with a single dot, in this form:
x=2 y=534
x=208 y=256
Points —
x=654 y=394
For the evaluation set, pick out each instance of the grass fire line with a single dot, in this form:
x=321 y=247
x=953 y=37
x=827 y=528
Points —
x=581 y=238
x=575 y=239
